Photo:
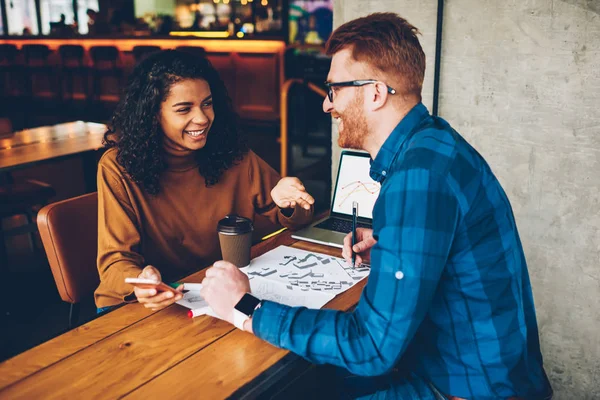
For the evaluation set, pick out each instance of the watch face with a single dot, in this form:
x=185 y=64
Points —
x=247 y=304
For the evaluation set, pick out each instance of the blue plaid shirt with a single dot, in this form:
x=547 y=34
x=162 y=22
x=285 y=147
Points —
x=449 y=296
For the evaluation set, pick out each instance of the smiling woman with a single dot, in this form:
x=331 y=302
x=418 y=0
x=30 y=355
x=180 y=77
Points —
x=186 y=115
x=170 y=92
x=176 y=165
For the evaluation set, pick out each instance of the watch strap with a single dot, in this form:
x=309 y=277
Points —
x=244 y=309
x=239 y=318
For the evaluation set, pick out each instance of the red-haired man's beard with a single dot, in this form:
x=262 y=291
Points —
x=353 y=127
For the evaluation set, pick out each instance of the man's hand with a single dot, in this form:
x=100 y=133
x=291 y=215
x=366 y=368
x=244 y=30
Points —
x=152 y=299
x=364 y=242
x=223 y=287
x=290 y=191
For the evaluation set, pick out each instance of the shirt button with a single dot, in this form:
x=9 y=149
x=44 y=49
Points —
x=399 y=275
x=384 y=173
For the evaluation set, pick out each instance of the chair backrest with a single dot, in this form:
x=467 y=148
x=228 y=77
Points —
x=36 y=54
x=104 y=56
x=71 y=54
x=8 y=53
x=195 y=50
x=6 y=127
x=69 y=232
x=141 y=52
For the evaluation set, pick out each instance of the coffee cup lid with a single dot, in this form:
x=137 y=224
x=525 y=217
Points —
x=234 y=224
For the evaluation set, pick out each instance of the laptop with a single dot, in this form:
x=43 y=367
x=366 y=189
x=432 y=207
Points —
x=353 y=183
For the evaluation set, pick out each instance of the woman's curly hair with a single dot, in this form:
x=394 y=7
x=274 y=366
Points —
x=135 y=128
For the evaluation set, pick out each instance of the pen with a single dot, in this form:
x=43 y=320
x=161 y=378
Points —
x=195 y=287
x=270 y=235
x=204 y=310
x=176 y=285
x=197 y=312
x=354 y=215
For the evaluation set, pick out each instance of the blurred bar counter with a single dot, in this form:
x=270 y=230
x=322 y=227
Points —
x=253 y=70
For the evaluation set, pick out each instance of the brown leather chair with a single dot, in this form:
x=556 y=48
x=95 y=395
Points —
x=11 y=72
x=195 y=50
x=6 y=128
x=69 y=232
x=73 y=69
x=106 y=73
x=41 y=74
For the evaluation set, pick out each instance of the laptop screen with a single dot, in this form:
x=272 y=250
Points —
x=355 y=184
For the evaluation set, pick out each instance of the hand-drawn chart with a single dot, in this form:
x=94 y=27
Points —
x=303 y=271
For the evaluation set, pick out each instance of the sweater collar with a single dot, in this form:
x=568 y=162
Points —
x=180 y=160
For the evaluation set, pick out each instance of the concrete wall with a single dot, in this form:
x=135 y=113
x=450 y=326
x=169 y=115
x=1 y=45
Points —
x=520 y=79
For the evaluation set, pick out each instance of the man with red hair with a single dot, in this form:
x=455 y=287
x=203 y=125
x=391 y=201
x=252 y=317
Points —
x=448 y=310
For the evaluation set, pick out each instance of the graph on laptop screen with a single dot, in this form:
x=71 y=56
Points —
x=355 y=184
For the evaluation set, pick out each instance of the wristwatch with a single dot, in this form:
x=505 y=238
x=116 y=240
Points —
x=244 y=309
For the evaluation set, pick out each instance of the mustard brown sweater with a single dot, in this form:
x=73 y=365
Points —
x=175 y=230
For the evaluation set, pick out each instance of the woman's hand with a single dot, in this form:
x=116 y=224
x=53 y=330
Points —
x=290 y=191
x=151 y=298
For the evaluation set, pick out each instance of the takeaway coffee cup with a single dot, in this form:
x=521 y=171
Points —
x=235 y=237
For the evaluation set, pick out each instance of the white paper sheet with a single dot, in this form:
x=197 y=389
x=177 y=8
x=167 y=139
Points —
x=289 y=276
x=300 y=270
x=267 y=289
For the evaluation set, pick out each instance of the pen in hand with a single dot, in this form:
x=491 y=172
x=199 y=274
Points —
x=354 y=216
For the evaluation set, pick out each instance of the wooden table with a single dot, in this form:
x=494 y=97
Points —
x=136 y=353
x=33 y=146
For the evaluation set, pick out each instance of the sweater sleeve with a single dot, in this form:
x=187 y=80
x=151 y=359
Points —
x=118 y=239
x=263 y=179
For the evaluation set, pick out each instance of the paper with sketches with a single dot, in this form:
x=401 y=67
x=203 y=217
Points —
x=267 y=289
x=290 y=276
x=194 y=301
x=263 y=289
x=300 y=270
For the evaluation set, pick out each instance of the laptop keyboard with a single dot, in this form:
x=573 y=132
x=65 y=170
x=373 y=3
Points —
x=340 y=225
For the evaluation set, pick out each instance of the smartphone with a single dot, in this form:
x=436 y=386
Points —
x=150 y=284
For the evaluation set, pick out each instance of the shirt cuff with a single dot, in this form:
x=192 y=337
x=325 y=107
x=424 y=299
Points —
x=267 y=321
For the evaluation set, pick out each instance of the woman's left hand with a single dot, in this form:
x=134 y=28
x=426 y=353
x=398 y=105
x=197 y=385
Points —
x=289 y=191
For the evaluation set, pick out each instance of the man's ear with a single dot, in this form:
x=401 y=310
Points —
x=378 y=97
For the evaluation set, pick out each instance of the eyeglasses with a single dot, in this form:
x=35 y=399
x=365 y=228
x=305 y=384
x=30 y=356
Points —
x=331 y=85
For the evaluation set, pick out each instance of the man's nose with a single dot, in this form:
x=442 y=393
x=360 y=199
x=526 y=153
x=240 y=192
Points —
x=327 y=105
